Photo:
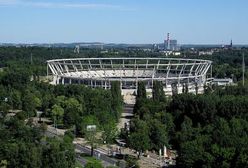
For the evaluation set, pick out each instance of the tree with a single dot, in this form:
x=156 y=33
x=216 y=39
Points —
x=29 y=103
x=140 y=98
x=157 y=135
x=47 y=100
x=139 y=141
x=91 y=137
x=57 y=153
x=131 y=162
x=60 y=100
x=158 y=92
x=141 y=91
x=57 y=113
x=90 y=134
x=93 y=164
x=138 y=138
x=73 y=112
x=169 y=124
x=109 y=131
x=193 y=154
x=186 y=132
x=116 y=98
x=242 y=159
x=16 y=99
x=37 y=102
x=174 y=89
x=17 y=78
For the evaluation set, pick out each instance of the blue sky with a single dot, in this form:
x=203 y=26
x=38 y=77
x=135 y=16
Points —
x=124 y=21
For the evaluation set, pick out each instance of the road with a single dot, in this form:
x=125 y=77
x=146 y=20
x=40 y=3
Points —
x=106 y=160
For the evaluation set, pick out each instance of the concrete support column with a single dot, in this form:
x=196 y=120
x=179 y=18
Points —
x=57 y=80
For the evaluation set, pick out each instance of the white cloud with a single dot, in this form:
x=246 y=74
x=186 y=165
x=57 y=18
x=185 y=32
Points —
x=40 y=4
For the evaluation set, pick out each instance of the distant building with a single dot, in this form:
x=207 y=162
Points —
x=155 y=47
x=230 y=46
x=170 y=45
x=222 y=82
x=176 y=53
x=206 y=53
x=173 y=53
x=77 y=49
x=104 y=52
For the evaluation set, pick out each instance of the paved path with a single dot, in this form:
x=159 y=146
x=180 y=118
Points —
x=126 y=115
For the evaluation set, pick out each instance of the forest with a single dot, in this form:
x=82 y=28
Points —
x=209 y=130
x=71 y=107
x=226 y=63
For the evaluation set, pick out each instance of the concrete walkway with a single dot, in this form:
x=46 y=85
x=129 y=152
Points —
x=126 y=116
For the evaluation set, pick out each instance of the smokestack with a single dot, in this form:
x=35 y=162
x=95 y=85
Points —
x=168 y=41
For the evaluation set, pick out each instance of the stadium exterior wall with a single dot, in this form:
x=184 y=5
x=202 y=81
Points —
x=175 y=74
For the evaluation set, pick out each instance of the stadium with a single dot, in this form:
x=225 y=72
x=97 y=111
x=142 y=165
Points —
x=175 y=74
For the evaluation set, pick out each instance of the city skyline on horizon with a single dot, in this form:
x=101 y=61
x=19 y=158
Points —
x=128 y=22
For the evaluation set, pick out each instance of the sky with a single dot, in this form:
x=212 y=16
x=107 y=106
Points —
x=124 y=21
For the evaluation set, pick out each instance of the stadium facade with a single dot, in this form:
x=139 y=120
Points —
x=175 y=74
